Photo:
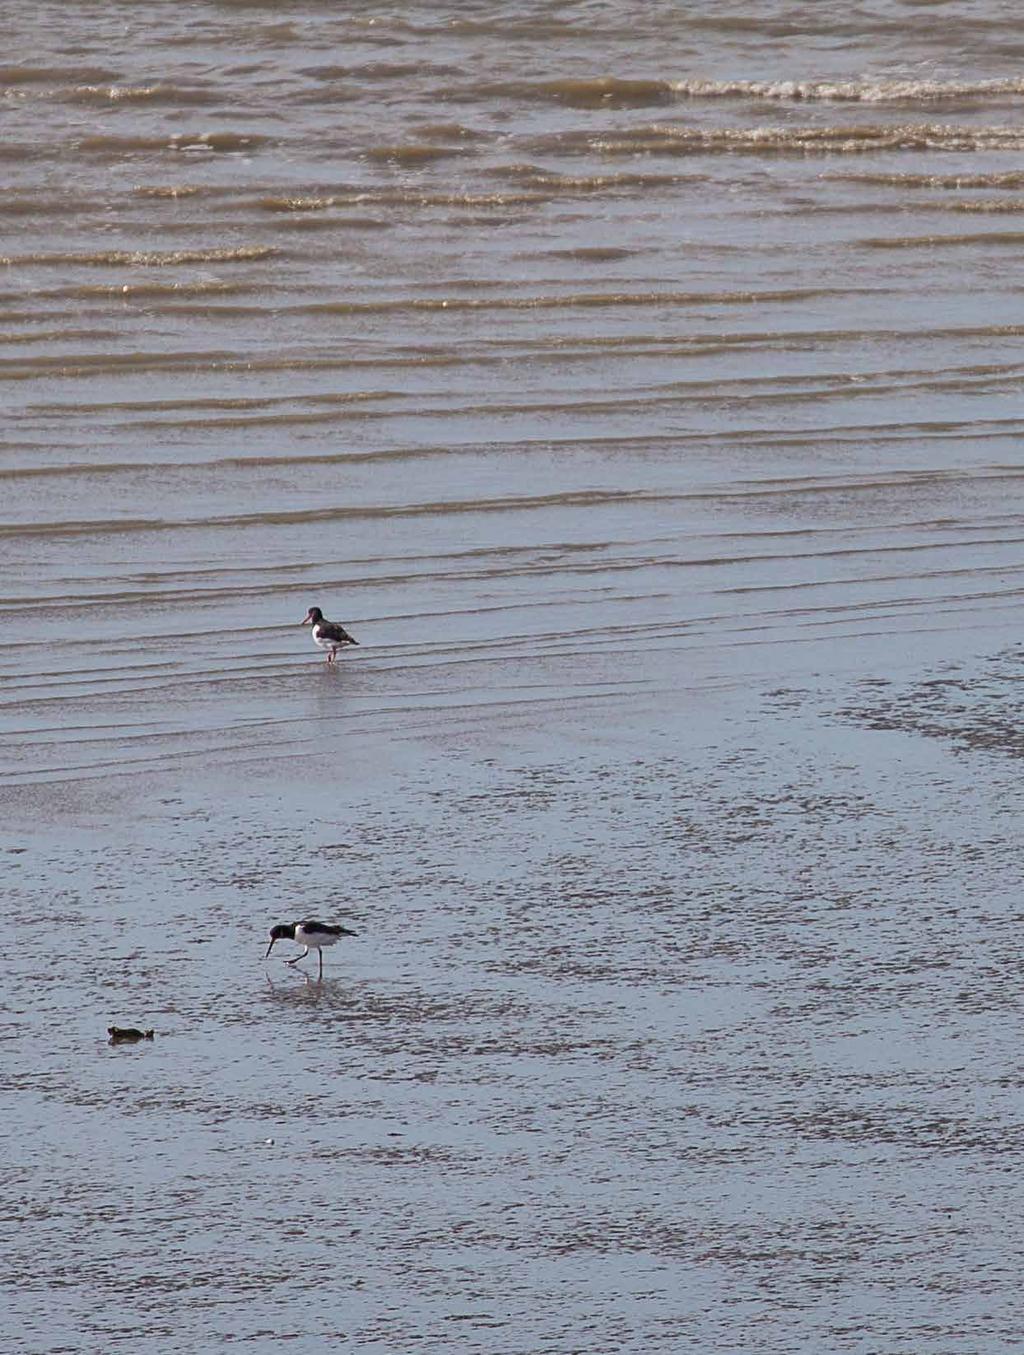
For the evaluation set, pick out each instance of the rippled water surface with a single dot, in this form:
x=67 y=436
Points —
x=640 y=384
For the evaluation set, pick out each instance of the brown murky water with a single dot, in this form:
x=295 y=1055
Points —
x=641 y=385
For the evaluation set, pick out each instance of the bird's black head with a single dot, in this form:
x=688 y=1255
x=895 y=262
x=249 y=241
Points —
x=312 y=617
x=284 y=931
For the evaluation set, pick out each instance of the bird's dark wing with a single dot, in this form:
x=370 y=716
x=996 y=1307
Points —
x=324 y=929
x=330 y=630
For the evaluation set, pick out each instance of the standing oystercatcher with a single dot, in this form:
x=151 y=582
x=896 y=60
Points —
x=312 y=935
x=328 y=635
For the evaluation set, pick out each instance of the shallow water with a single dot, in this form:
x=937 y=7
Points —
x=640 y=385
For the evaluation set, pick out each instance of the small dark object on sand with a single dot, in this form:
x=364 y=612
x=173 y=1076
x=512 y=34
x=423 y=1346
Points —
x=127 y=1034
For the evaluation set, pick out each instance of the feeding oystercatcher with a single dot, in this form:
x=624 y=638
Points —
x=328 y=635
x=312 y=935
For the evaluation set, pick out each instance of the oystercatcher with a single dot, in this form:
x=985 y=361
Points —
x=312 y=935
x=328 y=635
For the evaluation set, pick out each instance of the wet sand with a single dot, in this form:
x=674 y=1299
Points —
x=637 y=1047
x=643 y=393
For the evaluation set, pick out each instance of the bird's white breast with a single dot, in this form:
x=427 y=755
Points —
x=318 y=638
x=316 y=940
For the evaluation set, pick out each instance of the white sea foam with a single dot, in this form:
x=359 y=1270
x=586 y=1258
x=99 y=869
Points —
x=848 y=91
